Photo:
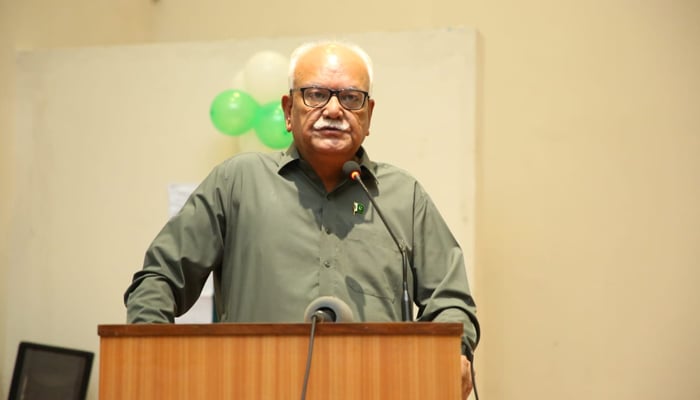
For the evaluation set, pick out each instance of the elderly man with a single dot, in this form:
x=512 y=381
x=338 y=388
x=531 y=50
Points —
x=279 y=230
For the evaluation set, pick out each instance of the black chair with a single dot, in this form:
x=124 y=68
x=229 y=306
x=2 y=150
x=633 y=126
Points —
x=44 y=372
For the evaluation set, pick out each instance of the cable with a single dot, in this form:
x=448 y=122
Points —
x=476 y=392
x=314 y=319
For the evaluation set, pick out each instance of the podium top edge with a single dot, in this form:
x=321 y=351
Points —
x=280 y=329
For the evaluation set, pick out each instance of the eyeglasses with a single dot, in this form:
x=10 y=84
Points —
x=316 y=97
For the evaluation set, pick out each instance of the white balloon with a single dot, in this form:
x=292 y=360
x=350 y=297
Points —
x=265 y=76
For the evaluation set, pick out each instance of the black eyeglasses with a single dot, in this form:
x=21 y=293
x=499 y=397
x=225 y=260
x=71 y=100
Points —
x=350 y=99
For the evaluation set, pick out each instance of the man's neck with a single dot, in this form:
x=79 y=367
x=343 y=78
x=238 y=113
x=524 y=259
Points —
x=328 y=168
x=330 y=173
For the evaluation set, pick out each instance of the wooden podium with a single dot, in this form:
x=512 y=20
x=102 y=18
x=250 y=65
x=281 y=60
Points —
x=359 y=361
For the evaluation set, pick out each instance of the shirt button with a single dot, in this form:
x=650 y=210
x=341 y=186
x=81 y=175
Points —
x=327 y=264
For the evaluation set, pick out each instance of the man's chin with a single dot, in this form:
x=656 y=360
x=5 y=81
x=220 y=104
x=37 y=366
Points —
x=332 y=146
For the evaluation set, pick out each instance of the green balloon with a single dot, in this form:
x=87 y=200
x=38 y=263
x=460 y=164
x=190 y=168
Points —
x=233 y=112
x=270 y=127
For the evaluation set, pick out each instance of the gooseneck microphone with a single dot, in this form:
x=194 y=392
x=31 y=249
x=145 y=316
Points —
x=322 y=309
x=352 y=169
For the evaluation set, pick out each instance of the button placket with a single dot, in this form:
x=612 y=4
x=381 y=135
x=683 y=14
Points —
x=328 y=246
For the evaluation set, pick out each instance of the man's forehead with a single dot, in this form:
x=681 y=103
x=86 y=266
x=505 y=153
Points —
x=330 y=55
x=332 y=62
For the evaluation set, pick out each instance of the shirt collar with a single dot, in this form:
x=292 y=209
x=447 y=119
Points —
x=291 y=157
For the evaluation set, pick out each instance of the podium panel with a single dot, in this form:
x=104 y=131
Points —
x=360 y=361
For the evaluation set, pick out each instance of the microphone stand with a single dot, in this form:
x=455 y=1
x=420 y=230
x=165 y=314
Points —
x=406 y=314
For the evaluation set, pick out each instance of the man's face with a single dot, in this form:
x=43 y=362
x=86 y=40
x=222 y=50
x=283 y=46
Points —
x=330 y=132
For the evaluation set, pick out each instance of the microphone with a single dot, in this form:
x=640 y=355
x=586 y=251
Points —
x=322 y=309
x=352 y=169
x=328 y=309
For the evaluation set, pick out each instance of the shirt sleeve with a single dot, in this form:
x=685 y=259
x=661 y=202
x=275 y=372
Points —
x=181 y=257
x=441 y=285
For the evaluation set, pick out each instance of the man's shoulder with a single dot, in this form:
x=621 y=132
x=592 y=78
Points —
x=252 y=160
x=398 y=179
x=254 y=165
x=384 y=170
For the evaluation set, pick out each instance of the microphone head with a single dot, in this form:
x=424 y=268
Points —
x=325 y=315
x=351 y=169
x=329 y=305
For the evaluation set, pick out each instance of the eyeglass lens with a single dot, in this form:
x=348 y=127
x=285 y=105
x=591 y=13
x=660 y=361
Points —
x=350 y=99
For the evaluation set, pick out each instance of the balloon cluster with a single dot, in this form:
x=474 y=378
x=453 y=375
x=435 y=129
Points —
x=255 y=105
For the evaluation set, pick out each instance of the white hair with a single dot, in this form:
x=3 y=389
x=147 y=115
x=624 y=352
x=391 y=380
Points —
x=306 y=47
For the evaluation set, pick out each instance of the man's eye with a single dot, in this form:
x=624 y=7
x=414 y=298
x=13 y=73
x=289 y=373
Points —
x=316 y=94
x=351 y=97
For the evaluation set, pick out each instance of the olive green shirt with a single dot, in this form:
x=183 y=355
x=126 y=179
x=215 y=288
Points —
x=275 y=240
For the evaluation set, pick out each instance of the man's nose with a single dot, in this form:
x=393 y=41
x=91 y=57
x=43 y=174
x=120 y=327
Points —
x=333 y=108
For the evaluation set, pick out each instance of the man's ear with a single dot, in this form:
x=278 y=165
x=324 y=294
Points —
x=287 y=108
x=370 y=109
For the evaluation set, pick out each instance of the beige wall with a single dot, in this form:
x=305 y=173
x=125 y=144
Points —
x=43 y=24
x=588 y=186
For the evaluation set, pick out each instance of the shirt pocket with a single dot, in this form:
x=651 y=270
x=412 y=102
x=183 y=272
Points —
x=372 y=262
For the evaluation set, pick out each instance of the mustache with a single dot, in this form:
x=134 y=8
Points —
x=327 y=123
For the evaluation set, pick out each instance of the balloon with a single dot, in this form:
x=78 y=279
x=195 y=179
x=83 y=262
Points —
x=233 y=112
x=270 y=127
x=265 y=76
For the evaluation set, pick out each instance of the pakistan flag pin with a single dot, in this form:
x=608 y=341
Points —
x=358 y=208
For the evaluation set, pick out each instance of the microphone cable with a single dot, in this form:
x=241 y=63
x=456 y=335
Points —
x=476 y=392
x=312 y=336
x=470 y=357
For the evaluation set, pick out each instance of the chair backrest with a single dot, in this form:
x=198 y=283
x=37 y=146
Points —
x=44 y=372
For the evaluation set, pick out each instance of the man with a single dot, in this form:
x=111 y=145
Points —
x=279 y=230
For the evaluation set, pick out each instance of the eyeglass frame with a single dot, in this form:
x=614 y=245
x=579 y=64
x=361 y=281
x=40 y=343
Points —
x=333 y=93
